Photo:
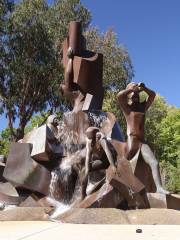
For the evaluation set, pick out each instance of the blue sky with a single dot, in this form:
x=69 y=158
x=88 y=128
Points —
x=150 y=30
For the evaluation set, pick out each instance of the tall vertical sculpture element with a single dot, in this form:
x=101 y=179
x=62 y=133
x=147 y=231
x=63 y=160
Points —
x=83 y=160
x=83 y=72
x=134 y=112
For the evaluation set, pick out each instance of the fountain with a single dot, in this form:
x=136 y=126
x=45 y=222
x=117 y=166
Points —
x=83 y=161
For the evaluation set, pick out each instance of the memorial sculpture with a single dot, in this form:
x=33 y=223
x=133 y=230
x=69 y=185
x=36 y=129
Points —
x=83 y=160
x=134 y=112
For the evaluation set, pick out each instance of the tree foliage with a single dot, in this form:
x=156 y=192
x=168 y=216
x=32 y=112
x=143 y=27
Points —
x=4 y=141
x=110 y=105
x=163 y=131
x=169 y=138
x=31 y=69
x=154 y=116
x=117 y=66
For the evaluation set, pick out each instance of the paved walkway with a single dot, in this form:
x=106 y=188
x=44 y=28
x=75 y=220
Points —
x=51 y=231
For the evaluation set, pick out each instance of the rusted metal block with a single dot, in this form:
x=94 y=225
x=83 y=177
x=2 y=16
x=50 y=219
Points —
x=92 y=102
x=161 y=200
x=43 y=142
x=22 y=170
x=110 y=127
x=8 y=189
x=143 y=172
x=10 y=200
x=173 y=201
x=129 y=187
x=125 y=176
x=88 y=73
x=157 y=200
x=105 y=197
x=2 y=179
x=30 y=201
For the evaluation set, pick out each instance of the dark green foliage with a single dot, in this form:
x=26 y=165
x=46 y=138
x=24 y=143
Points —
x=4 y=141
x=110 y=105
x=117 y=67
x=169 y=138
x=31 y=69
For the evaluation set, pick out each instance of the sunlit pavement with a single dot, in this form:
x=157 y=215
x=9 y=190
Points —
x=51 y=231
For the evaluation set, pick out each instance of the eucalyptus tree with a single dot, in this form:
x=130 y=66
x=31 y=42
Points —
x=32 y=69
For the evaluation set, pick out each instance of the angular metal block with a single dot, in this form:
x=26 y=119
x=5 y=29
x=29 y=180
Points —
x=160 y=200
x=125 y=176
x=105 y=197
x=173 y=201
x=2 y=179
x=8 y=189
x=22 y=170
x=92 y=102
x=30 y=201
x=129 y=187
x=143 y=172
x=88 y=73
x=10 y=200
x=40 y=138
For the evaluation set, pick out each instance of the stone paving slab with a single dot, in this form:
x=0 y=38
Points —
x=51 y=230
x=25 y=214
x=94 y=215
x=116 y=216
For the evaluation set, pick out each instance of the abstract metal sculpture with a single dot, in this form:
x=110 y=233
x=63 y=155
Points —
x=134 y=112
x=83 y=160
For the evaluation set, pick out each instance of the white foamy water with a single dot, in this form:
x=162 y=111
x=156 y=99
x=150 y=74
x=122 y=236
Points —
x=59 y=207
x=96 y=118
x=53 y=187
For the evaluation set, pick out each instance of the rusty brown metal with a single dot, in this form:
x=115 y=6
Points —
x=43 y=143
x=2 y=179
x=134 y=112
x=83 y=69
x=10 y=200
x=92 y=160
x=22 y=170
x=8 y=189
x=105 y=197
x=160 y=200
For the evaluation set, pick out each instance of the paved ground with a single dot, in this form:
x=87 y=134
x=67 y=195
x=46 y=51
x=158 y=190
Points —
x=51 y=231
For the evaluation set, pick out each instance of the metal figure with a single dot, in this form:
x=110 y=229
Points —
x=134 y=112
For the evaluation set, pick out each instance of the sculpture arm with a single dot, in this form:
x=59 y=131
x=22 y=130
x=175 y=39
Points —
x=84 y=180
x=69 y=69
x=104 y=145
x=88 y=155
x=151 y=95
x=122 y=99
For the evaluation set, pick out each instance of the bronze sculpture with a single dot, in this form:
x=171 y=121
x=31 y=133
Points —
x=85 y=156
x=98 y=154
x=134 y=112
x=83 y=70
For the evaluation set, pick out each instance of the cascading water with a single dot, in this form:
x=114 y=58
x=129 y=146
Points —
x=96 y=118
x=64 y=187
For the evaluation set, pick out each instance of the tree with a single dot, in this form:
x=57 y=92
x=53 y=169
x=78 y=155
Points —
x=154 y=116
x=110 y=105
x=163 y=131
x=4 y=141
x=170 y=148
x=32 y=67
x=6 y=7
x=117 y=66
